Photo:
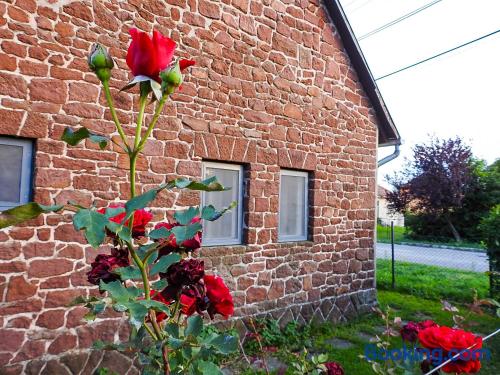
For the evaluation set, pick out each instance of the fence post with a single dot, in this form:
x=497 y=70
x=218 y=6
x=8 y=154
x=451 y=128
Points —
x=392 y=255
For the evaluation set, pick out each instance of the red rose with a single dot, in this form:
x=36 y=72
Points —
x=426 y=324
x=141 y=219
x=409 y=332
x=184 y=273
x=188 y=305
x=170 y=245
x=103 y=266
x=334 y=368
x=219 y=297
x=156 y=296
x=148 y=56
x=454 y=340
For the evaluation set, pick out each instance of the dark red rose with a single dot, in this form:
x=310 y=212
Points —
x=447 y=339
x=219 y=297
x=103 y=266
x=184 y=273
x=334 y=368
x=170 y=245
x=188 y=305
x=141 y=219
x=409 y=332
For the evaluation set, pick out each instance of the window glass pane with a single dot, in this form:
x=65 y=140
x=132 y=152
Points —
x=225 y=228
x=11 y=162
x=293 y=205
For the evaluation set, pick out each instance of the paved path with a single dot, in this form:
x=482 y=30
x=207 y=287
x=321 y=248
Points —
x=458 y=259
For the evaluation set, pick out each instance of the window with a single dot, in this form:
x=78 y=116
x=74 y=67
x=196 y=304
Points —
x=293 y=206
x=15 y=172
x=227 y=229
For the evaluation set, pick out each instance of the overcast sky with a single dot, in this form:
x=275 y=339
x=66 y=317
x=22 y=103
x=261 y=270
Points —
x=456 y=94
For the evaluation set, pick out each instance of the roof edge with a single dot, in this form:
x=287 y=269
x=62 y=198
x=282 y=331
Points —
x=388 y=133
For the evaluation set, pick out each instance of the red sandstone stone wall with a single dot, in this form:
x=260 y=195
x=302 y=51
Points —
x=272 y=88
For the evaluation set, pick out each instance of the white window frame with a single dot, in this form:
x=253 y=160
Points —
x=239 y=207
x=26 y=167
x=293 y=238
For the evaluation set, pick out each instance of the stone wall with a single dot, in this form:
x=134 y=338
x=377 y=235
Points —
x=273 y=88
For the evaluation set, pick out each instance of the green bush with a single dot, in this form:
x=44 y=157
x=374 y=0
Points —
x=490 y=228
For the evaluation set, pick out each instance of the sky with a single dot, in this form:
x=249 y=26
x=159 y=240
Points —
x=457 y=94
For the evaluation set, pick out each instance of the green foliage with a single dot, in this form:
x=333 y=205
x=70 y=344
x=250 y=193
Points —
x=163 y=263
x=432 y=282
x=19 y=214
x=490 y=229
x=74 y=137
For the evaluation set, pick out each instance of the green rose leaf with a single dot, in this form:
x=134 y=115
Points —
x=184 y=217
x=186 y=232
x=209 y=184
x=224 y=344
x=128 y=273
x=159 y=285
x=208 y=368
x=211 y=214
x=28 y=211
x=137 y=312
x=175 y=343
x=160 y=233
x=74 y=137
x=117 y=291
x=164 y=262
x=194 y=325
x=172 y=329
x=93 y=223
x=158 y=306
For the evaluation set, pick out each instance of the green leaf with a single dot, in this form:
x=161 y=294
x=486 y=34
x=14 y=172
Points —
x=142 y=200
x=122 y=231
x=137 y=312
x=159 y=233
x=209 y=184
x=186 y=216
x=186 y=232
x=159 y=285
x=164 y=262
x=194 y=325
x=93 y=223
x=156 y=305
x=224 y=344
x=28 y=211
x=175 y=343
x=208 y=368
x=116 y=290
x=99 y=308
x=74 y=137
x=211 y=214
x=128 y=273
x=172 y=329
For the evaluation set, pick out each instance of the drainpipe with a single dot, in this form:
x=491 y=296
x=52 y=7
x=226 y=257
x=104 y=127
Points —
x=390 y=157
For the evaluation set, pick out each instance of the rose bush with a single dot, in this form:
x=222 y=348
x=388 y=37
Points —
x=150 y=274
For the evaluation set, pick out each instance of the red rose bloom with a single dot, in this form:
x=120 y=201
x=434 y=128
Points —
x=170 y=245
x=219 y=297
x=454 y=340
x=148 y=56
x=103 y=266
x=141 y=219
x=409 y=332
x=188 y=305
x=426 y=324
x=156 y=296
x=334 y=368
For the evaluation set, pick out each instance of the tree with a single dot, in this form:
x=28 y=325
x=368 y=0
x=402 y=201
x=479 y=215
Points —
x=490 y=226
x=435 y=182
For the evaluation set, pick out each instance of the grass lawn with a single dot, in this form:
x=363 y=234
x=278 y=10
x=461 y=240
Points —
x=384 y=236
x=432 y=282
x=417 y=297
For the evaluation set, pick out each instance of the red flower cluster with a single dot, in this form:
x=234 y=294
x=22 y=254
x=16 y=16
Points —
x=149 y=56
x=455 y=340
x=170 y=244
x=103 y=266
x=141 y=219
x=196 y=291
x=334 y=368
x=410 y=331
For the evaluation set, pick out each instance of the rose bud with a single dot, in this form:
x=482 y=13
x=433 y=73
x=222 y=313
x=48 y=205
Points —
x=334 y=368
x=171 y=78
x=100 y=62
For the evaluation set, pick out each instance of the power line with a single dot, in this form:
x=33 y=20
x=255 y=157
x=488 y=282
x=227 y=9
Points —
x=398 y=20
x=438 y=55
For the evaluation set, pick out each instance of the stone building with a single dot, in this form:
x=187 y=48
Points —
x=280 y=92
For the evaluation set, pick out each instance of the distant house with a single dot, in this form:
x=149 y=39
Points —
x=384 y=215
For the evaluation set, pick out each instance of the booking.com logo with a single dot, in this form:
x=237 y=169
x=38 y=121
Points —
x=414 y=355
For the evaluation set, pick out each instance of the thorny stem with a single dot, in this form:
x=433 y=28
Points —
x=143 y=100
x=114 y=116
x=152 y=124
